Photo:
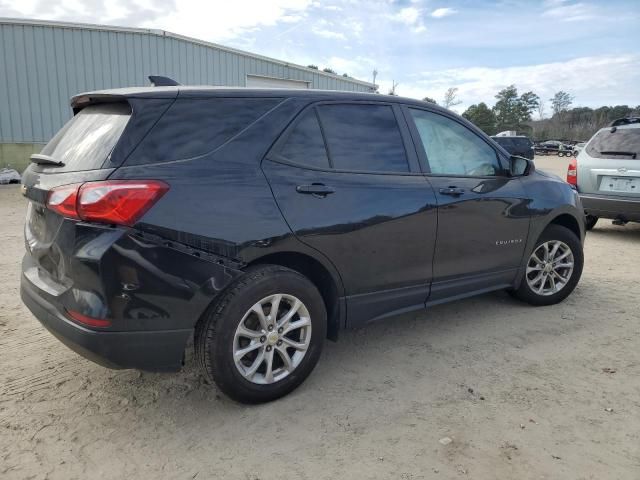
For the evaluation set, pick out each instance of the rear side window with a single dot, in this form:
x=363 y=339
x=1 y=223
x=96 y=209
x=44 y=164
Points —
x=513 y=143
x=305 y=145
x=193 y=127
x=87 y=140
x=620 y=143
x=363 y=138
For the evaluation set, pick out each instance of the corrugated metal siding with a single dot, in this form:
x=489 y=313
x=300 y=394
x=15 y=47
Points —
x=42 y=66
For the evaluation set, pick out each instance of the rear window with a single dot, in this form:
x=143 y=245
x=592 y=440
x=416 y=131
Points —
x=619 y=143
x=305 y=145
x=194 y=127
x=87 y=140
x=514 y=143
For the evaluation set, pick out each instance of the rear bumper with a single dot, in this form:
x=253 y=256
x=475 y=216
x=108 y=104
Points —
x=611 y=207
x=160 y=350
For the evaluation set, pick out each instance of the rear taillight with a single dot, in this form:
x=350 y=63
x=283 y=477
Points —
x=120 y=202
x=63 y=200
x=572 y=172
x=86 y=320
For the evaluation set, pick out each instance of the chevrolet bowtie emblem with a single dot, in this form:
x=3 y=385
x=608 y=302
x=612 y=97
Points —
x=622 y=170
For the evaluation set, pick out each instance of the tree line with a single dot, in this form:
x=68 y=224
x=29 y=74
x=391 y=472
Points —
x=513 y=111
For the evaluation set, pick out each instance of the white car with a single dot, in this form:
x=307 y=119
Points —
x=606 y=173
x=577 y=148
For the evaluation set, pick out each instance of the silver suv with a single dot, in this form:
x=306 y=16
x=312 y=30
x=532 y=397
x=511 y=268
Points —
x=606 y=173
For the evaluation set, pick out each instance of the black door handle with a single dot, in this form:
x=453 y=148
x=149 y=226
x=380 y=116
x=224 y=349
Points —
x=455 y=191
x=316 y=189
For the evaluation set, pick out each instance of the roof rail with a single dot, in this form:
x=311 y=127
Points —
x=625 y=121
x=160 y=81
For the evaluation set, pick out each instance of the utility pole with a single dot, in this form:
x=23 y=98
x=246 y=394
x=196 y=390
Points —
x=375 y=74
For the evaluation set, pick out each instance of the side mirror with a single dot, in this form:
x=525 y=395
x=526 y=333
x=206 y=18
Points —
x=520 y=166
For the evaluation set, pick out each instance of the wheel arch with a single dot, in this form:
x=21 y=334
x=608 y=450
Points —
x=328 y=285
x=568 y=221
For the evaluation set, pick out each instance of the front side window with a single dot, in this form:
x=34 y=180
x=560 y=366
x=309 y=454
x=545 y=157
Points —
x=363 y=138
x=453 y=149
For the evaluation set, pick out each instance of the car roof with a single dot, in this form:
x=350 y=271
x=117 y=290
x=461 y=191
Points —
x=211 y=91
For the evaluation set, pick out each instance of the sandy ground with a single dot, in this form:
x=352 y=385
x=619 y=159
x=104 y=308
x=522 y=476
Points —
x=523 y=392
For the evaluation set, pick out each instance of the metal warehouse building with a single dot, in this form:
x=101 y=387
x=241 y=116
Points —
x=43 y=64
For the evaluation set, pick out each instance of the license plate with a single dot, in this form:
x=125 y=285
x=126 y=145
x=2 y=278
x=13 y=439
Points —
x=620 y=184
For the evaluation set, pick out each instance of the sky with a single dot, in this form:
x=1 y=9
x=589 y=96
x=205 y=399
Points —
x=588 y=48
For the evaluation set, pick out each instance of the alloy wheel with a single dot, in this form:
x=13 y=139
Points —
x=272 y=339
x=550 y=267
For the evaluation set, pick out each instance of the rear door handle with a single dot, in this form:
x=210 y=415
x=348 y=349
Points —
x=315 y=189
x=455 y=191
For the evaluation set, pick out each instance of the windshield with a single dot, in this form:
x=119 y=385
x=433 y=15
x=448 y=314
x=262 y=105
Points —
x=620 y=143
x=86 y=141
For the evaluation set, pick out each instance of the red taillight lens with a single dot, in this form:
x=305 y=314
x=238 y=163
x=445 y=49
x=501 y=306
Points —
x=572 y=172
x=63 y=200
x=120 y=202
x=90 y=321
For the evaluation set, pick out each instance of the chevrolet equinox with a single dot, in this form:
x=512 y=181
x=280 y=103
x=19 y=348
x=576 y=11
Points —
x=261 y=222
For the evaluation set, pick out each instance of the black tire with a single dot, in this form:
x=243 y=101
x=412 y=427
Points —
x=214 y=336
x=553 y=232
x=590 y=222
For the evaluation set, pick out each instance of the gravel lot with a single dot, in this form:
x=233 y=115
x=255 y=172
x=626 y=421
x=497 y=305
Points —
x=522 y=392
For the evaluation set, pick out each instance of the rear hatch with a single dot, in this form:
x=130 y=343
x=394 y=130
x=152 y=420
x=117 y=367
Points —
x=610 y=163
x=89 y=148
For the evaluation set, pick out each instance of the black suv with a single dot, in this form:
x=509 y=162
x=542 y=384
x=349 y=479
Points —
x=516 y=145
x=264 y=221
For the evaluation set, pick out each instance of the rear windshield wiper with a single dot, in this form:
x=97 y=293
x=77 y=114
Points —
x=613 y=152
x=42 y=159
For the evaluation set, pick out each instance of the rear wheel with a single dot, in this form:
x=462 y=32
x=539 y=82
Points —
x=553 y=269
x=590 y=221
x=264 y=336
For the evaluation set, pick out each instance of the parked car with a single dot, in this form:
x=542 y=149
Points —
x=516 y=145
x=577 y=148
x=606 y=173
x=552 y=147
x=263 y=221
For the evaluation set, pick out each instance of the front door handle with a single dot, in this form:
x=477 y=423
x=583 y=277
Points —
x=316 y=189
x=455 y=191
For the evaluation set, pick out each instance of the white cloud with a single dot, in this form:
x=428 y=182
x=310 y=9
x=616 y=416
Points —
x=443 y=12
x=207 y=20
x=411 y=17
x=567 y=12
x=594 y=81
x=322 y=32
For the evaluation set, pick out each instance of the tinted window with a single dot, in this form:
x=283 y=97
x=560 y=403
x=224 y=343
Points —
x=86 y=141
x=193 y=127
x=513 y=143
x=363 y=137
x=453 y=149
x=622 y=143
x=305 y=144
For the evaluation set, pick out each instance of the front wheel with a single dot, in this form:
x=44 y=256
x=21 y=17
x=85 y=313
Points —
x=553 y=269
x=264 y=336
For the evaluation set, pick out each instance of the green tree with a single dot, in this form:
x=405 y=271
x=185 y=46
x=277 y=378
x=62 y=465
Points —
x=482 y=117
x=314 y=67
x=429 y=100
x=529 y=103
x=329 y=70
x=507 y=109
x=561 y=102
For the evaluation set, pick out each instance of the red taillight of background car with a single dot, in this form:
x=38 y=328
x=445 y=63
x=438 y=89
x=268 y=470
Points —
x=119 y=202
x=572 y=172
